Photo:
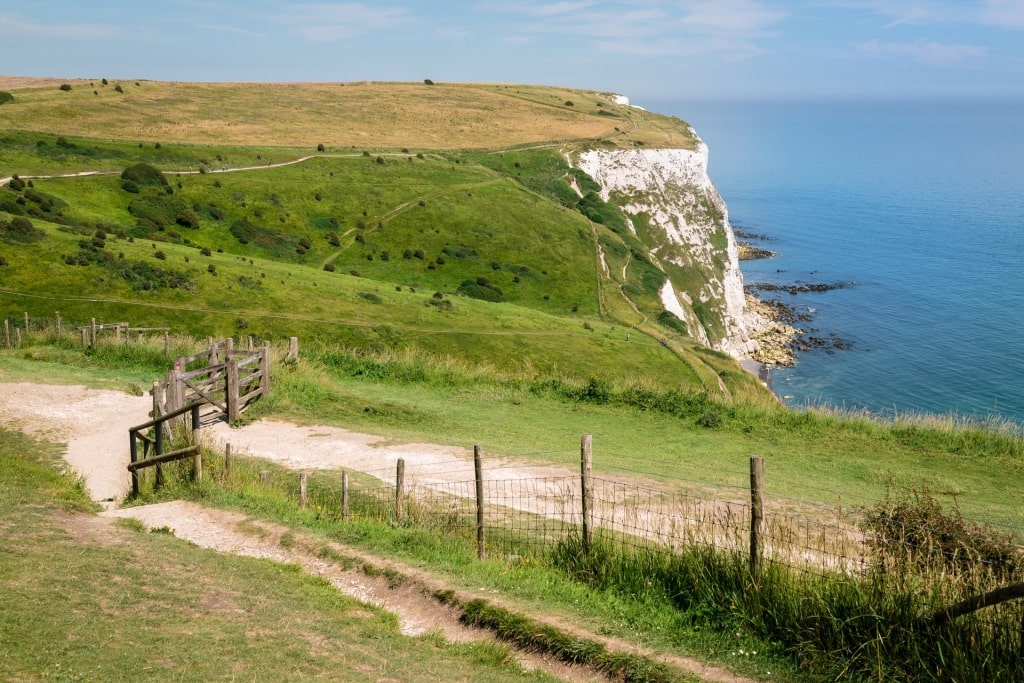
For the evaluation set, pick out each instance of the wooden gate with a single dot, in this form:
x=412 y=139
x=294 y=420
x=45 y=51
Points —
x=222 y=379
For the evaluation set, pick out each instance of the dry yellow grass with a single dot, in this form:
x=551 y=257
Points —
x=339 y=115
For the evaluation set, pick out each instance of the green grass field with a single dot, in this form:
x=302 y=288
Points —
x=446 y=287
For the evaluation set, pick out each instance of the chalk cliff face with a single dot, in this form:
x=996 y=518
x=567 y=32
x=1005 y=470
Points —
x=686 y=228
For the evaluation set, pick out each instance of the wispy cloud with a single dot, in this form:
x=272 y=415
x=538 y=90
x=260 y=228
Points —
x=997 y=13
x=14 y=25
x=732 y=29
x=1004 y=13
x=936 y=54
x=331 y=22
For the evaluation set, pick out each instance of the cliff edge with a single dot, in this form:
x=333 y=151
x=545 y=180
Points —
x=676 y=211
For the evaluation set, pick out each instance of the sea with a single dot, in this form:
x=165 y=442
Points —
x=914 y=211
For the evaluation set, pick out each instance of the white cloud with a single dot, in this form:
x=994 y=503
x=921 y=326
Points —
x=331 y=22
x=557 y=8
x=16 y=26
x=935 y=54
x=1004 y=13
x=730 y=29
x=998 y=13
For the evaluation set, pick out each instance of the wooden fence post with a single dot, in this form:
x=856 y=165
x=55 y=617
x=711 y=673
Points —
x=399 y=488
x=167 y=344
x=56 y=315
x=264 y=477
x=85 y=337
x=7 y=334
x=17 y=337
x=227 y=461
x=586 y=465
x=756 y=513
x=344 y=496
x=293 y=349
x=231 y=393
x=197 y=462
x=478 y=470
x=265 y=370
x=93 y=337
x=158 y=439
x=303 y=489
x=26 y=323
x=134 y=457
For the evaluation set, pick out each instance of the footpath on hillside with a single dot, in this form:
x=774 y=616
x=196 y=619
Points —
x=94 y=424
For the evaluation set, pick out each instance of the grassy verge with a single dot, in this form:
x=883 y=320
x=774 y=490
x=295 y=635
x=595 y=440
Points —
x=87 y=601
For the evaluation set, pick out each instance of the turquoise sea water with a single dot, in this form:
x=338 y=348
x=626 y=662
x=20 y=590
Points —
x=922 y=206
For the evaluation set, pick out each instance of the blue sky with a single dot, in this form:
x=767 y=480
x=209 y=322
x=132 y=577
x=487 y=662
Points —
x=647 y=49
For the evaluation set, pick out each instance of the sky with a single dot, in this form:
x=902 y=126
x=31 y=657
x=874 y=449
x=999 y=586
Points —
x=646 y=49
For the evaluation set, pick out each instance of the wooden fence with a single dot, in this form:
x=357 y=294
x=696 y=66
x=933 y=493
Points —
x=161 y=432
x=221 y=377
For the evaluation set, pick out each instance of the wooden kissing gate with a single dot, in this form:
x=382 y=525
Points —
x=227 y=381
x=221 y=388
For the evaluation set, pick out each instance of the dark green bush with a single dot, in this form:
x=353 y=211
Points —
x=3 y=262
x=16 y=184
x=329 y=267
x=143 y=175
x=6 y=97
x=66 y=87
x=481 y=288
x=21 y=231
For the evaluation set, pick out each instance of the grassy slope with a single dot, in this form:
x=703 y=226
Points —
x=108 y=605
x=495 y=215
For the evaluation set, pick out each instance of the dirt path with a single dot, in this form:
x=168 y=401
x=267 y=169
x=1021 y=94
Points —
x=94 y=424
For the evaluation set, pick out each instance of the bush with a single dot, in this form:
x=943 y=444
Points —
x=16 y=184
x=482 y=289
x=205 y=251
x=160 y=255
x=66 y=87
x=6 y=97
x=143 y=175
x=320 y=147
x=329 y=267
x=427 y=81
x=211 y=269
x=20 y=230
x=118 y=88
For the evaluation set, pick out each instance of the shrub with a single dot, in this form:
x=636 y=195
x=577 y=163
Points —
x=16 y=184
x=569 y=103
x=481 y=288
x=160 y=255
x=370 y=297
x=66 y=87
x=104 y=81
x=211 y=269
x=143 y=175
x=118 y=88
x=3 y=262
x=329 y=267
x=20 y=230
x=320 y=147
x=187 y=219
x=427 y=81
x=6 y=97
x=205 y=251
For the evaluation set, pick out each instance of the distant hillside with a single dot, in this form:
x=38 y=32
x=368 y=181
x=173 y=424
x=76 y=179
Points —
x=444 y=219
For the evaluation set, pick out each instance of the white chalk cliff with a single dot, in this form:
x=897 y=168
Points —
x=671 y=187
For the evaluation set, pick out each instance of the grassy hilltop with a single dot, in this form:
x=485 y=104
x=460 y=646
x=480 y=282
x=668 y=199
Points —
x=421 y=208
x=429 y=245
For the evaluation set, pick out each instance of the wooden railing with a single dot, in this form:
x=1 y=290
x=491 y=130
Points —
x=161 y=434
